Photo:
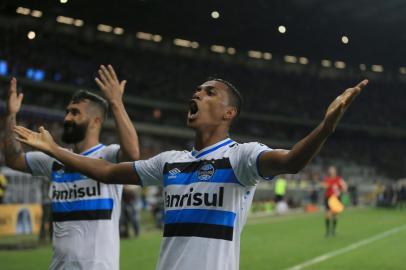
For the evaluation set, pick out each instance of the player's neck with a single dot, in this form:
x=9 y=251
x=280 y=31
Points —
x=86 y=144
x=206 y=138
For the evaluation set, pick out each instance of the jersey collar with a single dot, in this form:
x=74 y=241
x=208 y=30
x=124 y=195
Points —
x=211 y=148
x=92 y=150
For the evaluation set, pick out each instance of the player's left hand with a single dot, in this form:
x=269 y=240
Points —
x=338 y=107
x=41 y=140
x=108 y=83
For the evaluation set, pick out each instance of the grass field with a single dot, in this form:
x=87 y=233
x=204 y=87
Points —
x=277 y=243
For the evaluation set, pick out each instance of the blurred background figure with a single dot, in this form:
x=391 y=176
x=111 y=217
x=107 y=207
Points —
x=131 y=207
x=3 y=187
x=280 y=188
x=334 y=186
x=46 y=228
x=389 y=195
x=158 y=208
x=353 y=193
x=281 y=185
x=402 y=196
x=314 y=188
x=379 y=189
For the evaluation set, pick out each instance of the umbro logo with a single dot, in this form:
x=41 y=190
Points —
x=174 y=171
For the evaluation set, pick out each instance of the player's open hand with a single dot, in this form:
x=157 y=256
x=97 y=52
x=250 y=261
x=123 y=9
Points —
x=338 y=107
x=41 y=140
x=14 y=99
x=108 y=83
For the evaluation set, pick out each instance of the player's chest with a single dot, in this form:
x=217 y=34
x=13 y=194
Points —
x=199 y=171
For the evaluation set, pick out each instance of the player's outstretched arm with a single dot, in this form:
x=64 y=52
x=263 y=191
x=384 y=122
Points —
x=291 y=161
x=97 y=169
x=113 y=89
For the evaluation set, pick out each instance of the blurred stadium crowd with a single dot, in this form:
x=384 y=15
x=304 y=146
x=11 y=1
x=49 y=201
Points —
x=170 y=77
x=284 y=108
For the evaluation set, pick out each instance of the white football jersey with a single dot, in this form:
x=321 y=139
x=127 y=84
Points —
x=207 y=196
x=85 y=213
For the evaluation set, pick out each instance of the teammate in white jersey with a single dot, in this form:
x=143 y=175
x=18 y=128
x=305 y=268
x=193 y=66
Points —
x=208 y=191
x=85 y=212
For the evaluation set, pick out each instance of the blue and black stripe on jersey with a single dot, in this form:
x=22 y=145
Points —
x=216 y=224
x=213 y=171
x=93 y=209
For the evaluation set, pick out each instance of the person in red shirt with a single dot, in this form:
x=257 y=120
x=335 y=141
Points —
x=334 y=186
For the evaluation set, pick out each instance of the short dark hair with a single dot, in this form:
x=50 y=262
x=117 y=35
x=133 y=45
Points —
x=97 y=100
x=235 y=96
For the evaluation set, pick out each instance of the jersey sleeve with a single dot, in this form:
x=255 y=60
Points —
x=150 y=171
x=111 y=152
x=244 y=161
x=38 y=163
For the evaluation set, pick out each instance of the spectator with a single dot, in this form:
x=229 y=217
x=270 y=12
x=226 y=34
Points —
x=3 y=187
x=46 y=227
x=130 y=211
x=280 y=188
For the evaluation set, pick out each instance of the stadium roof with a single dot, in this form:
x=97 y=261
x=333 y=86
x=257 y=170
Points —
x=314 y=28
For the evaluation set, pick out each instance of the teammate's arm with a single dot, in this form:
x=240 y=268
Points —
x=13 y=151
x=292 y=161
x=98 y=169
x=113 y=89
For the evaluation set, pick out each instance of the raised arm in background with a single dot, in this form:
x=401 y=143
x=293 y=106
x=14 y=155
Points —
x=13 y=151
x=113 y=89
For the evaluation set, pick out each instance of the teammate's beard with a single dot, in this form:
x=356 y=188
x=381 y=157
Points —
x=73 y=133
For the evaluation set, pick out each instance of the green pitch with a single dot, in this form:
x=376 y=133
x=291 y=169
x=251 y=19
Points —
x=276 y=243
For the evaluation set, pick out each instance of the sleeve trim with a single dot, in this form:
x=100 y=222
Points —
x=268 y=178
x=27 y=163
x=136 y=171
x=118 y=155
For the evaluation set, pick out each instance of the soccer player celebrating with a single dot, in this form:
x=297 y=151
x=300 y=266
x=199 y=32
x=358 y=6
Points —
x=85 y=213
x=207 y=191
x=334 y=185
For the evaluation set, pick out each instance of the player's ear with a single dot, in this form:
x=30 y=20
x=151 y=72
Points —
x=230 y=113
x=98 y=120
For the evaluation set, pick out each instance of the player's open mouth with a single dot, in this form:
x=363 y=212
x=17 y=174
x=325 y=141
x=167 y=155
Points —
x=193 y=109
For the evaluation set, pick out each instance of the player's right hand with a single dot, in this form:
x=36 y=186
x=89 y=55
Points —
x=14 y=99
x=41 y=140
